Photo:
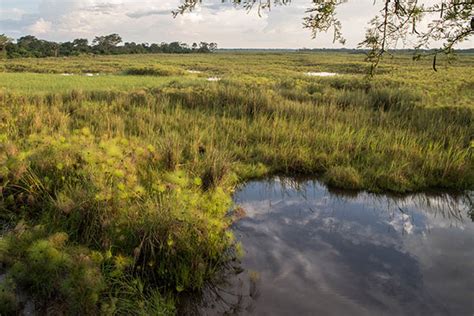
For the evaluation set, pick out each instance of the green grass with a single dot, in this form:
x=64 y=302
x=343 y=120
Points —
x=33 y=83
x=121 y=183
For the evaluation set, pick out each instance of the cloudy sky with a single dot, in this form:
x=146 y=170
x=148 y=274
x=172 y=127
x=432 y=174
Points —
x=151 y=21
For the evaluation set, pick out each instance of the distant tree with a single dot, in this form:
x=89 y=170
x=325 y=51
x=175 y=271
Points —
x=4 y=41
x=106 y=44
x=30 y=46
x=54 y=48
x=173 y=48
x=67 y=49
x=81 y=45
x=448 y=21
x=145 y=47
x=164 y=47
x=194 y=46
x=134 y=48
x=204 y=48
x=213 y=47
x=155 y=48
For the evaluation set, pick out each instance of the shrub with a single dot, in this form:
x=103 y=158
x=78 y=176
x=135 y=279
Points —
x=154 y=71
x=48 y=269
x=113 y=194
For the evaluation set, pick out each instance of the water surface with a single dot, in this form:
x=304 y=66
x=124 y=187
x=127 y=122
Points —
x=312 y=252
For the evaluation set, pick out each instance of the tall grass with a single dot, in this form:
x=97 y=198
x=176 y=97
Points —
x=119 y=191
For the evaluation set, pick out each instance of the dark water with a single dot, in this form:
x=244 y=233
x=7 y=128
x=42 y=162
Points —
x=311 y=252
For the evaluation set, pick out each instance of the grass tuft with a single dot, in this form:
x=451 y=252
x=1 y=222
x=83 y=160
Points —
x=344 y=178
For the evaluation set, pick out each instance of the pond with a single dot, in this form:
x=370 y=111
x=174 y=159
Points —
x=309 y=251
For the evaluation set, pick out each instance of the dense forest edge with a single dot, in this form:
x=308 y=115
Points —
x=30 y=46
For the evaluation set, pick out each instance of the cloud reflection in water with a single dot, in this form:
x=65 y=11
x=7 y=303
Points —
x=322 y=253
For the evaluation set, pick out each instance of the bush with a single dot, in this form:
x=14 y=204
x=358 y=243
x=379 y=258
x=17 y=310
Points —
x=112 y=194
x=48 y=269
x=154 y=71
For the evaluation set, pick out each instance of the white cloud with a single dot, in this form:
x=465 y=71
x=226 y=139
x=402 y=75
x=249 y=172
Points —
x=40 y=27
x=13 y=13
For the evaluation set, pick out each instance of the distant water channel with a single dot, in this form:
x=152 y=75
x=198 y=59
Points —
x=309 y=251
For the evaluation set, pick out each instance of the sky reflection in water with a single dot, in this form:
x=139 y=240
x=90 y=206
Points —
x=318 y=253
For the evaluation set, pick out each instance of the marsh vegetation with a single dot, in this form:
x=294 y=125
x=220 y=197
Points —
x=115 y=189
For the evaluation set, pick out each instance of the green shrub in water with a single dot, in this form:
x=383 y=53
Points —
x=113 y=197
x=49 y=270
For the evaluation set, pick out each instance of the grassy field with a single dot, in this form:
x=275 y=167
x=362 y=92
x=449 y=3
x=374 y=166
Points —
x=115 y=188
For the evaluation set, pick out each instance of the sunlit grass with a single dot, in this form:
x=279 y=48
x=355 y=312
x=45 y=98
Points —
x=33 y=83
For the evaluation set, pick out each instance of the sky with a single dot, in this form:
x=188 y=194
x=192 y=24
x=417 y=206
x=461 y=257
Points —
x=152 y=22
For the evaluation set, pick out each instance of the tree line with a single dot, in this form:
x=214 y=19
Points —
x=30 y=46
